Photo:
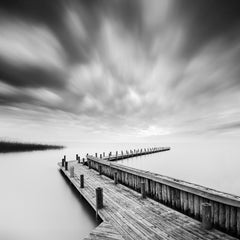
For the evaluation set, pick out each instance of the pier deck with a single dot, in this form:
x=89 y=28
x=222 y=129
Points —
x=127 y=216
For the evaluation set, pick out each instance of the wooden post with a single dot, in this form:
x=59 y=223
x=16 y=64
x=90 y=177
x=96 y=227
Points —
x=100 y=169
x=83 y=161
x=103 y=154
x=63 y=162
x=143 y=192
x=81 y=181
x=71 y=171
x=78 y=159
x=206 y=216
x=99 y=198
x=100 y=155
x=76 y=156
x=66 y=166
x=96 y=155
x=64 y=158
x=115 y=177
x=89 y=164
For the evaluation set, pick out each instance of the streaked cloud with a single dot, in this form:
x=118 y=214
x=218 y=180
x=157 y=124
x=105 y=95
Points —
x=132 y=68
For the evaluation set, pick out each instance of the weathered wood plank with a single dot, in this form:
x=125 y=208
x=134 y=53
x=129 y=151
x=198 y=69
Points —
x=131 y=217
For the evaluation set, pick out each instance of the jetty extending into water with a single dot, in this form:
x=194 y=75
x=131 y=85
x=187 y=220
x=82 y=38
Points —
x=137 y=204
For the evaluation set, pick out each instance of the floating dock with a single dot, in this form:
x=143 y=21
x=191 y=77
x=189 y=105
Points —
x=123 y=198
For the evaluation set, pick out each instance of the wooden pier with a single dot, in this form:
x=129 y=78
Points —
x=129 y=211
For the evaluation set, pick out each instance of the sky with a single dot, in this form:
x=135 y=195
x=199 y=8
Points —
x=119 y=70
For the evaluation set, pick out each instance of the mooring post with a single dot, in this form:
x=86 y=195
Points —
x=71 y=171
x=79 y=159
x=66 y=166
x=99 y=198
x=206 y=216
x=103 y=154
x=83 y=161
x=63 y=161
x=100 y=169
x=89 y=163
x=81 y=181
x=76 y=156
x=115 y=177
x=100 y=155
x=143 y=192
x=96 y=155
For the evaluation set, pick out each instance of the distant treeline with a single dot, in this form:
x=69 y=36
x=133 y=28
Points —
x=6 y=146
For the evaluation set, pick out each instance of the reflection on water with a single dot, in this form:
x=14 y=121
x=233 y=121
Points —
x=38 y=203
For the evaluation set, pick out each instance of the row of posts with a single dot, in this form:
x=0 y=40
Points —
x=206 y=207
x=131 y=152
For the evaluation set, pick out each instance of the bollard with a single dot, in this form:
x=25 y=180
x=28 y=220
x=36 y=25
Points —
x=71 y=171
x=100 y=155
x=143 y=192
x=63 y=161
x=100 y=169
x=76 y=156
x=81 y=181
x=99 y=198
x=89 y=164
x=79 y=159
x=96 y=155
x=206 y=216
x=115 y=177
x=66 y=166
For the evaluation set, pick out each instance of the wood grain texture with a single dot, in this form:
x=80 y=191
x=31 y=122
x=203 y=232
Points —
x=127 y=216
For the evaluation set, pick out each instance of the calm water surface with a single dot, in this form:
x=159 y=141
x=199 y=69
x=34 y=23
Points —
x=38 y=203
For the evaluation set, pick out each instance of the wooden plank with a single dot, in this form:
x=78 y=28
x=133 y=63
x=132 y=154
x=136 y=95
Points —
x=134 y=218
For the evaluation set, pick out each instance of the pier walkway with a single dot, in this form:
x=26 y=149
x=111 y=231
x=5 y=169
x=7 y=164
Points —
x=128 y=216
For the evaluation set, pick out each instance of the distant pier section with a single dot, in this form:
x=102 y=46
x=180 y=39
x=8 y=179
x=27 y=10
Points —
x=136 y=204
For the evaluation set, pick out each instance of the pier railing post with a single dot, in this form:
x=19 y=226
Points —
x=89 y=164
x=143 y=191
x=206 y=216
x=99 y=198
x=96 y=155
x=100 y=155
x=71 y=171
x=81 y=181
x=66 y=165
x=103 y=154
x=115 y=177
x=76 y=156
x=63 y=162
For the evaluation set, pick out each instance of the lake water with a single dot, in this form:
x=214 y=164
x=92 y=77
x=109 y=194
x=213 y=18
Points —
x=38 y=203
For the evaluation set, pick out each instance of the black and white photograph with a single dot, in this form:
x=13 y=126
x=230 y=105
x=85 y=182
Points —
x=119 y=119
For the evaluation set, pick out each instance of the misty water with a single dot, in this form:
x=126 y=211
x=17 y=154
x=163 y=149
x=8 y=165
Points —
x=38 y=203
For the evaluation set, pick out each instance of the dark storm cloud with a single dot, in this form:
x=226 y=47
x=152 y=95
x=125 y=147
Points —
x=169 y=64
x=206 y=20
x=33 y=76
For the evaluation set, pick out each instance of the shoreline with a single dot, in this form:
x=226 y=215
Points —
x=9 y=147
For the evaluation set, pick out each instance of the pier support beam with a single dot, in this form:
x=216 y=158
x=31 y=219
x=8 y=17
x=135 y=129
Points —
x=206 y=216
x=81 y=181
x=143 y=192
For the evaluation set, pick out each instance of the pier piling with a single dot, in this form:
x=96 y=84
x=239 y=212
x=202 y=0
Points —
x=206 y=216
x=81 y=181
